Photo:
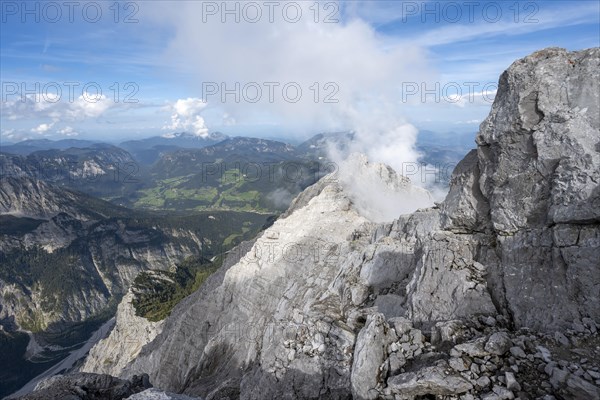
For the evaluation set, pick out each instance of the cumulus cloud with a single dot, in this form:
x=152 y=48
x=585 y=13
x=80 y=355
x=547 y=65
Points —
x=349 y=75
x=60 y=111
x=67 y=131
x=50 y=105
x=186 y=116
x=42 y=128
x=89 y=106
x=189 y=107
x=363 y=69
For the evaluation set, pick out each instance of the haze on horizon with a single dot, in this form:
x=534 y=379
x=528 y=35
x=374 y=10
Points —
x=363 y=66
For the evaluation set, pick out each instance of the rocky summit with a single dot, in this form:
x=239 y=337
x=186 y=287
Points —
x=493 y=294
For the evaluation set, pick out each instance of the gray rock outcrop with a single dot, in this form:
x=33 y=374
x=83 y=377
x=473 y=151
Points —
x=539 y=172
x=82 y=386
x=130 y=334
x=154 y=394
x=451 y=302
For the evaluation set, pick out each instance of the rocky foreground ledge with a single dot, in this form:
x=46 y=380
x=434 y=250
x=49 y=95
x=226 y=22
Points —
x=494 y=294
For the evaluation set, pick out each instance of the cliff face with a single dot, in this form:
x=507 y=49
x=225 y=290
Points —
x=97 y=169
x=65 y=256
x=328 y=304
x=124 y=343
x=248 y=316
x=532 y=187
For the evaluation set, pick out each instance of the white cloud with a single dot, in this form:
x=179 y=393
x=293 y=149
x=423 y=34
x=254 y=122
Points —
x=485 y=97
x=366 y=73
x=468 y=122
x=377 y=193
x=67 y=131
x=186 y=117
x=228 y=120
x=49 y=111
x=89 y=106
x=42 y=128
x=189 y=107
x=56 y=108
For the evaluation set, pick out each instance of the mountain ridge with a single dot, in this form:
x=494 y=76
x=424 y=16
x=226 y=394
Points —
x=446 y=302
x=67 y=259
x=432 y=267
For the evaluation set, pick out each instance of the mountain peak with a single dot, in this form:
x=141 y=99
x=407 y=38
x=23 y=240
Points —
x=326 y=289
x=377 y=191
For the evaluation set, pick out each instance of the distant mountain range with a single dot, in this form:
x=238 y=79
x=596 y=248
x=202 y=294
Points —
x=97 y=169
x=26 y=147
x=148 y=150
x=183 y=171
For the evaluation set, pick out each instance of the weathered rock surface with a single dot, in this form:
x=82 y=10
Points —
x=82 y=386
x=273 y=324
x=130 y=334
x=540 y=169
x=370 y=354
x=429 y=380
x=154 y=394
x=456 y=302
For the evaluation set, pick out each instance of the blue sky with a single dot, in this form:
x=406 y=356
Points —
x=379 y=56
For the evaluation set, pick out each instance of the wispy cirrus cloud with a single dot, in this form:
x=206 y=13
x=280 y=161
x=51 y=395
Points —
x=548 y=17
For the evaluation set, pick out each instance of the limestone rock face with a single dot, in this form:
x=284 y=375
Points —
x=538 y=147
x=465 y=209
x=303 y=313
x=154 y=394
x=370 y=353
x=430 y=380
x=130 y=334
x=275 y=322
x=82 y=386
x=448 y=282
x=540 y=173
x=330 y=304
